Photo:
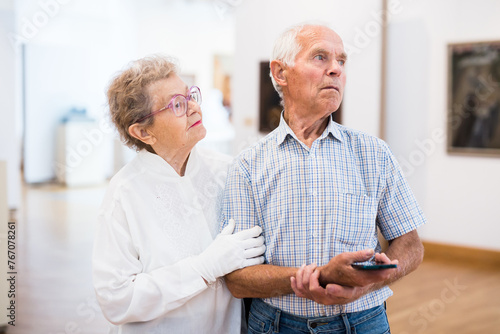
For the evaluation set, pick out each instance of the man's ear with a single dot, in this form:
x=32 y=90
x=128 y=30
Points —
x=139 y=132
x=278 y=72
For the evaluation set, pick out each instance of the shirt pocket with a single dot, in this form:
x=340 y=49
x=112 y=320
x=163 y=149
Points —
x=354 y=221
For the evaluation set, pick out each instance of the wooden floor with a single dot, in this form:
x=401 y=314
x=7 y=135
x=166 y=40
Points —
x=55 y=228
x=55 y=233
x=444 y=298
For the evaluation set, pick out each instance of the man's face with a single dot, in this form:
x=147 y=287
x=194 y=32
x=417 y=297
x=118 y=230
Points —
x=315 y=84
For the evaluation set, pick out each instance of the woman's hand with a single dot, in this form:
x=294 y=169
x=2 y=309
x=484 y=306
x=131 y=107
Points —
x=229 y=252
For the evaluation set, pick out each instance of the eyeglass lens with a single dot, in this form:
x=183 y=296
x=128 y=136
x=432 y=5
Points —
x=196 y=94
x=179 y=104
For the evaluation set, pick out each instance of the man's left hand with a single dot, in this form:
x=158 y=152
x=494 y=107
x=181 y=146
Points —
x=339 y=270
x=305 y=284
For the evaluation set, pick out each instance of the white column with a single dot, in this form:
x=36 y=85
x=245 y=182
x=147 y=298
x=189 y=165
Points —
x=9 y=109
x=4 y=216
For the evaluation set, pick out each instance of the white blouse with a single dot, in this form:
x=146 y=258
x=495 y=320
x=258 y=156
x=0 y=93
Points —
x=151 y=221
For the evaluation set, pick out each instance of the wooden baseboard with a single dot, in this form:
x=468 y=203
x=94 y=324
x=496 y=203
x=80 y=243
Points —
x=436 y=251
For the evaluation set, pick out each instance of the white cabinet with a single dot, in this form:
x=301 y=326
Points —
x=80 y=154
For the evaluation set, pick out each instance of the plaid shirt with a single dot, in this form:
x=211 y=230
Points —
x=315 y=203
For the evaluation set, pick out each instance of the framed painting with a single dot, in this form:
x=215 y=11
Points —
x=474 y=98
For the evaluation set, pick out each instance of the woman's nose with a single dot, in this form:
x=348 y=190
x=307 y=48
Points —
x=192 y=107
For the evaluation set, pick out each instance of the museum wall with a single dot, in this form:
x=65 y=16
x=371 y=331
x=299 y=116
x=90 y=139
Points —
x=259 y=22
x=459 y=193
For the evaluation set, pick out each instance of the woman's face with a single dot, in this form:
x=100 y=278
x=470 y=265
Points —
x=173 y=132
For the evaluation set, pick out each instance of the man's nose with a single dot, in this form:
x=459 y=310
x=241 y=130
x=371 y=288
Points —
x=335 y=68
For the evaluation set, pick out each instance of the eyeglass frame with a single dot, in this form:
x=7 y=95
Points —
x=170 y=105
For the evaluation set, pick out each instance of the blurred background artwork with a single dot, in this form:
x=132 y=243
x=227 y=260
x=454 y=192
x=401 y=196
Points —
x=474 y=124
x=269 y=101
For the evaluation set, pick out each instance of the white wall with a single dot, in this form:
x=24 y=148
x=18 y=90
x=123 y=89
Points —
x=9 y=136
x=259 y=22
x=459 y=194
x=72 y=50
x=103 y=36
x=192 y=32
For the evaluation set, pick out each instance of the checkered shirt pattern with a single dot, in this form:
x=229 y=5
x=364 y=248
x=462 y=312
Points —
x=315 y=203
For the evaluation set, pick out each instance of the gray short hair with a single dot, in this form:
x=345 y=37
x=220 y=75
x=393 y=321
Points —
x=129 y=98
x=286 y=48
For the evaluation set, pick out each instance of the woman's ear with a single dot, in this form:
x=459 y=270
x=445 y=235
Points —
x=278 y=72
x=139 y=132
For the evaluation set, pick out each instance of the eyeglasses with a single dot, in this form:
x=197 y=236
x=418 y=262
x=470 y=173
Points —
x=178 y=103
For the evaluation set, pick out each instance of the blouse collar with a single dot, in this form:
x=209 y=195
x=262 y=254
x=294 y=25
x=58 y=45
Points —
x=156 y=164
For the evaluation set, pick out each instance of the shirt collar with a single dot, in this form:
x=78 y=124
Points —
x=334 y=129
x=156 y=164
x=284 y=130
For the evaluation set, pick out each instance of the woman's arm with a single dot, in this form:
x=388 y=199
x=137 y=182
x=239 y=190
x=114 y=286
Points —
x=126 y=293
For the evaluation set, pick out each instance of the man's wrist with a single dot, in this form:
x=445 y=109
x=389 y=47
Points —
x=324 y=274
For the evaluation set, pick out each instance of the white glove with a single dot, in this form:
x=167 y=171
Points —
x=229 y=252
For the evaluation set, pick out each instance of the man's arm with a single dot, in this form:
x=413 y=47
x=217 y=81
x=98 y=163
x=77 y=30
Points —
x=407 y=248
x=260 y=281
x=409 y=251
x=263 y=281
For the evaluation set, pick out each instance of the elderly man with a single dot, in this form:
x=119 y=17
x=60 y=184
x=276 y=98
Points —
x=319 y=191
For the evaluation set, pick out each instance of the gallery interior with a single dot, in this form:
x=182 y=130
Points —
x=424 y=76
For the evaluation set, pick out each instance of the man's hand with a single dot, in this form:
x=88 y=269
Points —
x=338 y=282
x=339 y=270
x=264 y=281
x=305 y=284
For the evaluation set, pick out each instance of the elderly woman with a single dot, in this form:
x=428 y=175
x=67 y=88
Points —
x=158 y=260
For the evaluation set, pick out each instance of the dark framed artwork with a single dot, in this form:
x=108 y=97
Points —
x=474 y=98
x=269 y=102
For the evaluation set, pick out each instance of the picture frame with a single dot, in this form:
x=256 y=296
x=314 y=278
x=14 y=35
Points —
x=269 y=101
x=474 y=98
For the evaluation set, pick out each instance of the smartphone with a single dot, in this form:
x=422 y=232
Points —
x=373 y=266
